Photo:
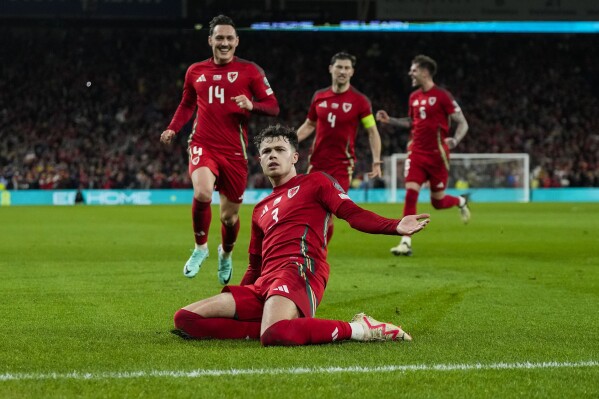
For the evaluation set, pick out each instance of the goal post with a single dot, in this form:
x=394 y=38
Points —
x=488 y=177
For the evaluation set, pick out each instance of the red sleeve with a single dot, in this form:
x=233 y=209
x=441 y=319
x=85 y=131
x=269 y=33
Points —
x=366 y=221
x=253 y=271
x=268 y=106
x=450 y=106
x=264 y=100
x=186 y=107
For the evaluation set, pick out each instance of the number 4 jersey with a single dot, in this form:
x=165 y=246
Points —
x=337 y=117
x=220 y=124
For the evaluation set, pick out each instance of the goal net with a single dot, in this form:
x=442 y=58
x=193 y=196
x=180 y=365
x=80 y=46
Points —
x=488 y=177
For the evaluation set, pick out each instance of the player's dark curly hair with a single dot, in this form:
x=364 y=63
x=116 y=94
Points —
x=342 y=55
x=221 y=20
x=289 y=135
x=426 y=62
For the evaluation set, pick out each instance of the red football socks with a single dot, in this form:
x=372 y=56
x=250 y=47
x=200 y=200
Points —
x=220 y=328
x=201 y=215
x=304 y=331
x=229 y=235
x=446 y=202
x=409 y=207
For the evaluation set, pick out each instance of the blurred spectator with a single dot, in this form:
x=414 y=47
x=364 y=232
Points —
x=85 y=107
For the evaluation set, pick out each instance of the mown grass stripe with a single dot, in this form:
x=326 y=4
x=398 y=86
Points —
x=296 y=370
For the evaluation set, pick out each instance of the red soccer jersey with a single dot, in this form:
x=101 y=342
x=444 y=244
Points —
x=299 y=211
x=220 y=124
x=337 y=117
x=430 y=113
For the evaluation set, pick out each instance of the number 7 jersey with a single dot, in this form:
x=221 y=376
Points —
x=220 y=125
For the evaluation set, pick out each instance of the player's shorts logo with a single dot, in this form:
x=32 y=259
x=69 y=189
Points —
x=432 y=100
x=346 y=107
x=232 y=76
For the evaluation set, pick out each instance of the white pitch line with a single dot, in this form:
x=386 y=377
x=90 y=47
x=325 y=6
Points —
x=295 y=370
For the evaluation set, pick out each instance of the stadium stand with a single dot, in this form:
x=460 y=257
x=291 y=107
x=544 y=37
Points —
x=84 y=108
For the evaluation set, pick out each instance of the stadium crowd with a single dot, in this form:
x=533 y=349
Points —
x=84 y=108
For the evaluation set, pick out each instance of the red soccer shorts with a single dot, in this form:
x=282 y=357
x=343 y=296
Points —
x=420 y=168
x=291 y=281
x=231 y=171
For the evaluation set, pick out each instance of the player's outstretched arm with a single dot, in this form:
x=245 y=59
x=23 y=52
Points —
x=305 y=130
x=370 y=222
x=412 y=224
x=383 y=117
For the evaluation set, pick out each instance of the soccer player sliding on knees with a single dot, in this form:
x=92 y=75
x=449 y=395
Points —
x=277 y=298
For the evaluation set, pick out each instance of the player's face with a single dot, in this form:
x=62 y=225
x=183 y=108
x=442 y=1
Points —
x=341 y=71
x=277 y=157
x=224 y=41
x=417 y=75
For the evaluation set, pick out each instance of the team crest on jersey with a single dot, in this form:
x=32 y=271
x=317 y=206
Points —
x=346 y=107
x=432 y=101
x=292 y=191
x=232 y=76
x=323 y=104
x=334 y=105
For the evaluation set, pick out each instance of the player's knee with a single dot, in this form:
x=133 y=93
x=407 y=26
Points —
x=184 y=318
x=228 y=219
x=279 y=334
x=202 y=196
x=180 y=319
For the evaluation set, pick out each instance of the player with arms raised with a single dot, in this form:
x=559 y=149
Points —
x=431 y=109
x=335 y=114
x=288 y=272
x=226 y=90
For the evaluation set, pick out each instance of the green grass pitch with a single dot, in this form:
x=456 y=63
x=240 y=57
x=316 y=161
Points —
x=507 y=306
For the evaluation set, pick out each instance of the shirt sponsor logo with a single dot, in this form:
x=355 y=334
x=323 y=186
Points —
x=232 y=76
x=202 y=78
x=432 y=100
x=292 y=191
x=323 y=104
x=346 y=107
x=217 y=77
x=277 y=201
x=422 y=102
x=334 y=105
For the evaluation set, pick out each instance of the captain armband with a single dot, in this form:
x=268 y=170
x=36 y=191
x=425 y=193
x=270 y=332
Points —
x=368 y=121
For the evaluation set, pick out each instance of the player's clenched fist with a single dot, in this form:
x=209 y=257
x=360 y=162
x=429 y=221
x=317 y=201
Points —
x=167 y=136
